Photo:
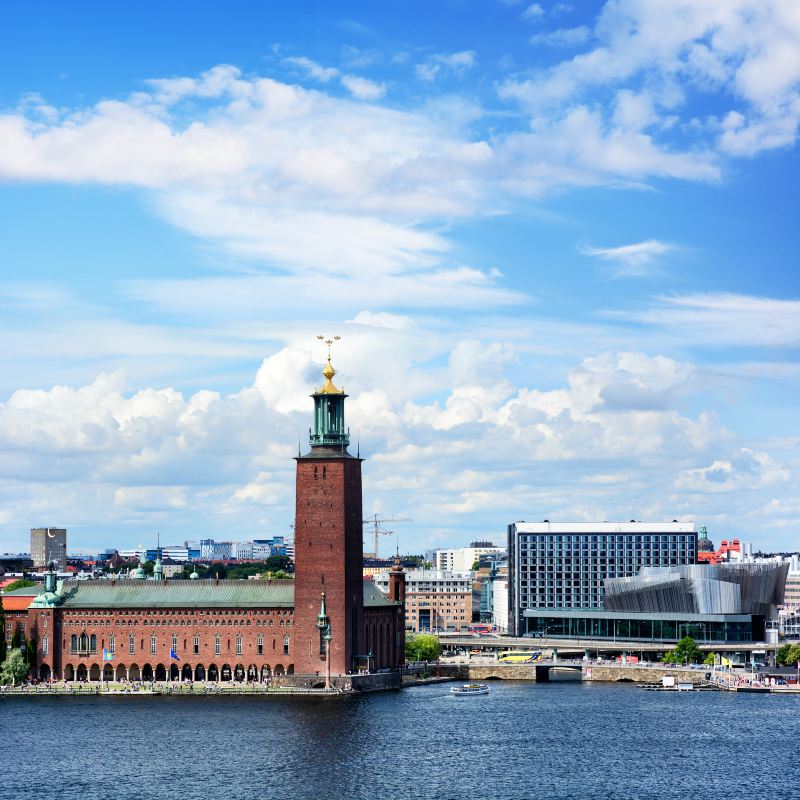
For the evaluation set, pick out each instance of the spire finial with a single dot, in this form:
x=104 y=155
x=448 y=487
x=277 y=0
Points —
x=328 y=371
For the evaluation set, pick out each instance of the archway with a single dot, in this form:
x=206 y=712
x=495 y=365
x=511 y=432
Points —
x=199 y=673
x=238 y=673
x=266 y=672
x=108 y=672
x=252 y=673
x=147 y=672
x=161 y=672
x=213 y=672
x=186 y=673
x=94 y=673
x=134 y=673
x=225 y=673
x=174 y=672
x=69 y=673
x=279 y=670
x=121 y=672
x=290 y=669
x=44 y=672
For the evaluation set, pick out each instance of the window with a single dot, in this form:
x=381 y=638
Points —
x=196 y=644
x=45 y=645
x=260 y=644
x=217 y=650
x=112 y=644
x=131 y=644
x=286 y=645
x=238 y=645
x=175 y=643
x=152 y=645
x=73 y=642
x=93 y=643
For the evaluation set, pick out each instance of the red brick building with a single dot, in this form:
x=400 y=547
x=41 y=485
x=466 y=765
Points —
x=138 y=628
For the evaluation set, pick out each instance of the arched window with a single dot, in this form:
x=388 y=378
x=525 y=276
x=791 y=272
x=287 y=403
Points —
x=286 y=645
x=45 y=645
x=73 y=642
x=93 y=643
x=238 y=645
x=152 y=645
x=196 y=644
x=175 y=643
x=261 y=644
x=217 y=645
x=112 y=644
x=131 y=644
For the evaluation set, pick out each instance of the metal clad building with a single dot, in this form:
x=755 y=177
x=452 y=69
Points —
x=563 y=565
x=49 y=546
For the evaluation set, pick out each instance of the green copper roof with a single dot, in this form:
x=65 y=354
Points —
x=191 y=594
x=178 y=594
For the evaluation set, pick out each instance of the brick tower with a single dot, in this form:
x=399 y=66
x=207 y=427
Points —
x=328 y=543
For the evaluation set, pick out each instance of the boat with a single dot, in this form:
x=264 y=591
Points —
x=470 y=688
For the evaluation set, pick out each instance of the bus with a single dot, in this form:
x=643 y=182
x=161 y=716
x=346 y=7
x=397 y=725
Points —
x=519 y=656
x=482 y=629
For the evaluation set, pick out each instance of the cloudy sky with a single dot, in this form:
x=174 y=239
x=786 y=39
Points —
x=559 y=242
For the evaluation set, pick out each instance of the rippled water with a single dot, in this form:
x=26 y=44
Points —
x=521 y=741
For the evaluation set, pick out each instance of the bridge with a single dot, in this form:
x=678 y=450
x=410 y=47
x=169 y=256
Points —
x=493 y=644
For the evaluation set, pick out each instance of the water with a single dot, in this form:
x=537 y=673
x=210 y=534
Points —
x=560 y=741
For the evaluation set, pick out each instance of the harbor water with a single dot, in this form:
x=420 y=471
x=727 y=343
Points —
x=557 y=741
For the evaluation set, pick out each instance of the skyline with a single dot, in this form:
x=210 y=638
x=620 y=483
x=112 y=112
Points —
x=560 y=245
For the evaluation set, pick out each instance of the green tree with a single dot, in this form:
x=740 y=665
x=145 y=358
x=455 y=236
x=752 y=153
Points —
x=422 y=647
x=710 y=659
x=278 y=563
x=788 y=655
x=685 y=652
x=22 y=583
x=16 y=638
x=476 y=565
x=14 y=668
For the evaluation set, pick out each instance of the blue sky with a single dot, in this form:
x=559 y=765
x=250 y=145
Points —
x=559 y=242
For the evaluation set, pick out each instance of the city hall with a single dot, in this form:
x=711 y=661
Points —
x=327 y=626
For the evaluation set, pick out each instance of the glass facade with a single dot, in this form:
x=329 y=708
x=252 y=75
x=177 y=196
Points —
x=567 y=570
x=733 y=628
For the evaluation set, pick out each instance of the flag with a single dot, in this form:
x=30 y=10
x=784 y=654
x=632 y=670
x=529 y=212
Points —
x=107 y=655
x=173 y=654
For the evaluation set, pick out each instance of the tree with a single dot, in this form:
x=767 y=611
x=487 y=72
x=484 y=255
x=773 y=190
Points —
x=476 y=565
x=422 y=647
x=14 y=668
x=16 y=638
x=685 y=652
x=2 y=635
x=22 y=583
x=788 y=655
x=279 y=563
x=710 y=659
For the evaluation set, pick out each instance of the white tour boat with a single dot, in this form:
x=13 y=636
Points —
x=470 y=688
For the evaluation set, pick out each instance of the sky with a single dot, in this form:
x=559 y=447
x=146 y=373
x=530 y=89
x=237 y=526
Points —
x=559 y=242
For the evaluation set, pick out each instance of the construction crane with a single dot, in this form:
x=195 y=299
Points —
x=377 y=530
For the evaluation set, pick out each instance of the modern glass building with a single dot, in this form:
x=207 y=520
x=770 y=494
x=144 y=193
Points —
x=563 y=565
x=618 y=626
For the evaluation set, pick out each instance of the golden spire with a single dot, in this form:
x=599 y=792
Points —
x=328 y=371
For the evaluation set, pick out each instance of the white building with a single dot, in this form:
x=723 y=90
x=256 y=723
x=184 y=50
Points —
x=242 y=550
x=500 y=603
x=215 y=551
x=461 y=559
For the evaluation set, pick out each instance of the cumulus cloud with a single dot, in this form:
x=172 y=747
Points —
x=751 y=50
x=562 y=37
x=454 y=63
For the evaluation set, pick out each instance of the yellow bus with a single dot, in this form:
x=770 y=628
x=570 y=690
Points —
x=519 y=656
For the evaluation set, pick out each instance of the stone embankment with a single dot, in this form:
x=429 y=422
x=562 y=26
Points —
x=642 y=674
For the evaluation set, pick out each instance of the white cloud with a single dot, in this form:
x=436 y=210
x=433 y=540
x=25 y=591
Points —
x=745 y=470
x=631 y=259
x=727 y=319
x=455 y=63
x=747 y=48
x=312 y=68
x=562 y=37
x=362 y=88
x=533 y=12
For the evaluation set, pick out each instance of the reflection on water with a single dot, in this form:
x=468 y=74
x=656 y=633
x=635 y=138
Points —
x=521 y=741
